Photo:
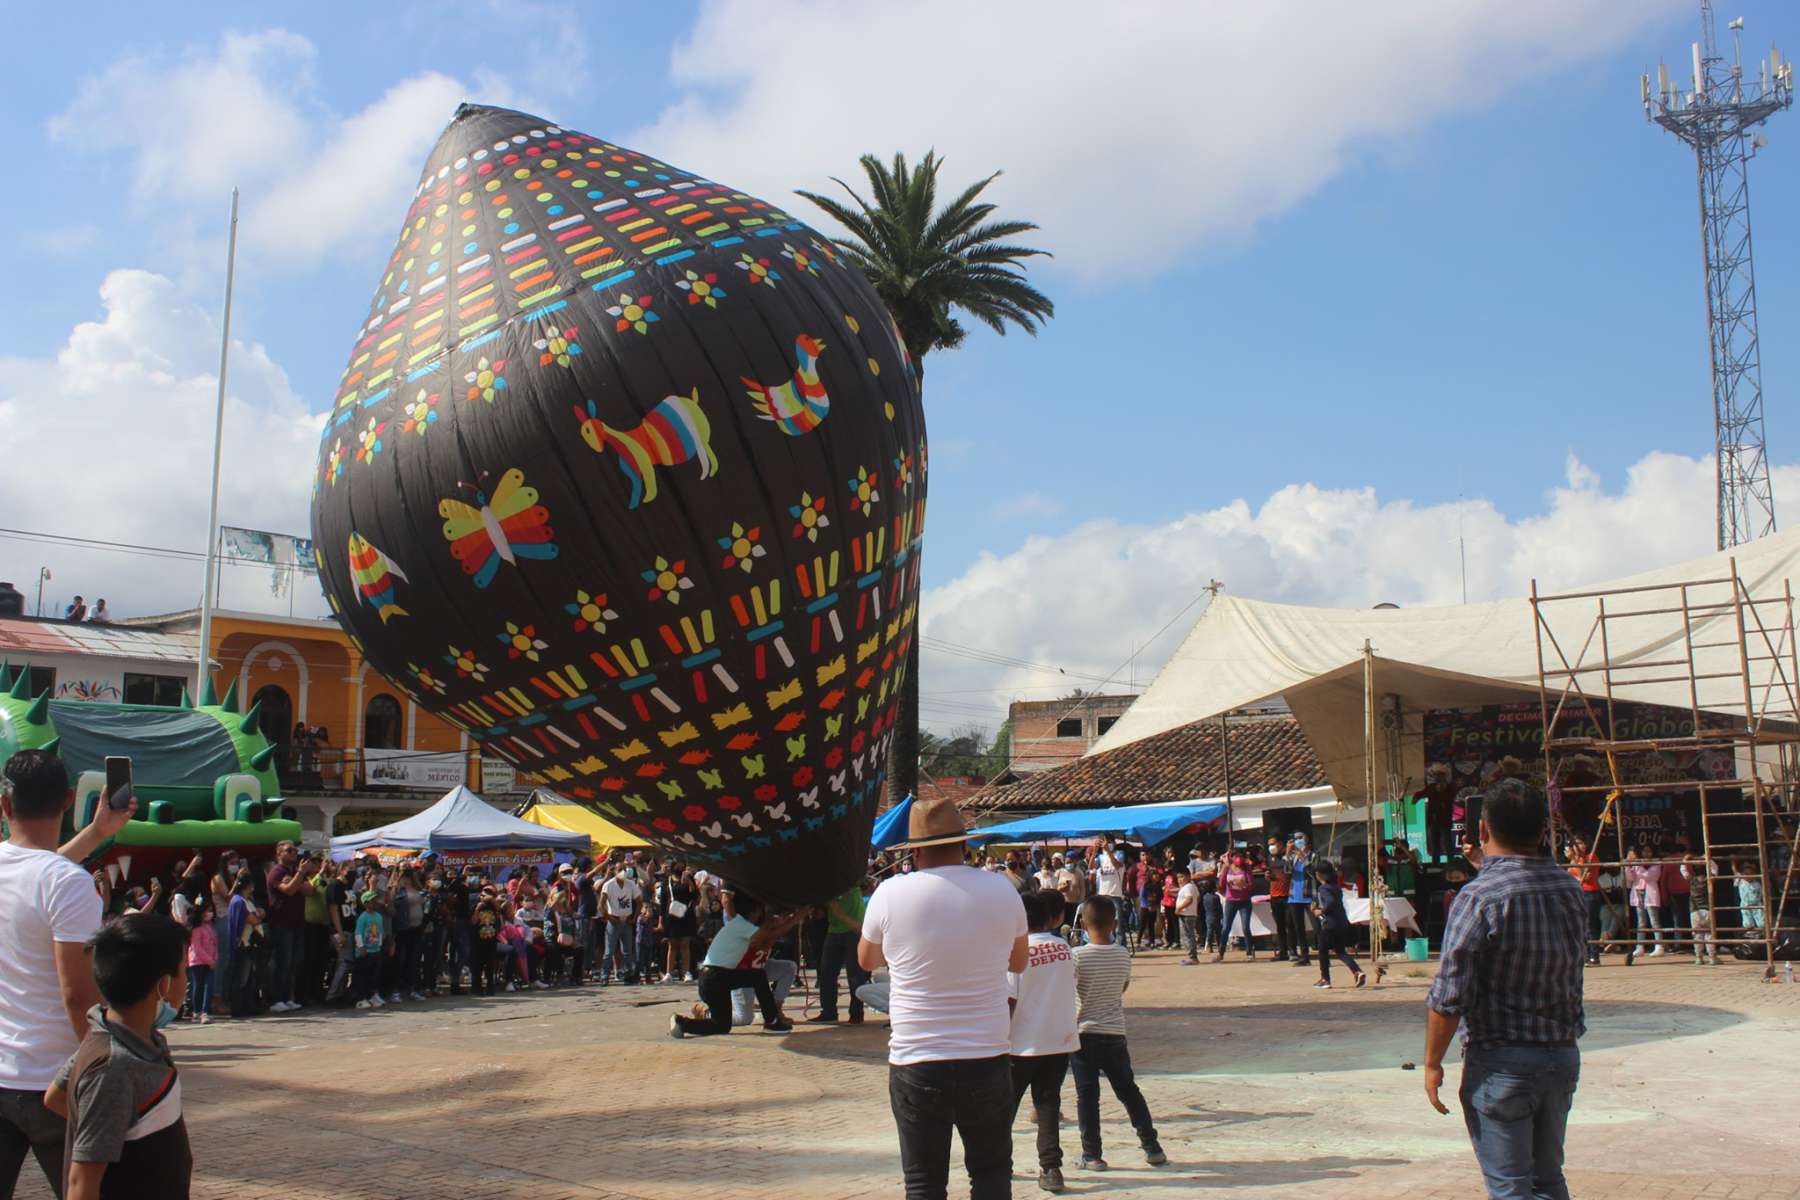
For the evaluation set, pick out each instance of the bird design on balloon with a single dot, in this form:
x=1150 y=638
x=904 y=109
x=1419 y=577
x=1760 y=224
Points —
x=799 y=405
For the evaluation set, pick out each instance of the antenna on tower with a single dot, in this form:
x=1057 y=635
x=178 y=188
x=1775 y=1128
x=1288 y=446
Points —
x=1715 y=121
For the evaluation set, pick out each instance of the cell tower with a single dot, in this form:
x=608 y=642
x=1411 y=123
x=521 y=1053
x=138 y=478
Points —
x=1715 y=118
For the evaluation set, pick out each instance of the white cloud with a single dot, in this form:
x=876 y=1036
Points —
x=1134 y=133
x=111 y=439
x=250 y=113
x=1083 y=600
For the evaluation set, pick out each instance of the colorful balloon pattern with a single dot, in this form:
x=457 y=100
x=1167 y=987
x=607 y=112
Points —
x=626 y=478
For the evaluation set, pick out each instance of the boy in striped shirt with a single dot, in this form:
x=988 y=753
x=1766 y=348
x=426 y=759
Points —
x=1102 y=973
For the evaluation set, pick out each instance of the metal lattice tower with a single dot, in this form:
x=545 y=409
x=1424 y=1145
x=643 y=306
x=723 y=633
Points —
x=1715 y=119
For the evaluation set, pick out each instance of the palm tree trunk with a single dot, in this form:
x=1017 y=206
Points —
x=903 y=751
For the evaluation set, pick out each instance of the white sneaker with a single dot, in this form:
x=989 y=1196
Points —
x=206 y=1018
x=364 y=1004
x=377 y=1002
x=540 y=985
x=1656 y=953
x=396 y=998
x=688 y=978
x=512 y=987
x=416 y=996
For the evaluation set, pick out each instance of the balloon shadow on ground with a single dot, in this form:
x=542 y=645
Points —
x=1285 y=1039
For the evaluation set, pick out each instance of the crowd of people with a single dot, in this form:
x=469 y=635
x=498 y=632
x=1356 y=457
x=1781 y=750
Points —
x=303 y=931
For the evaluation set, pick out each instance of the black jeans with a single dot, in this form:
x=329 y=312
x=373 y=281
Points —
x=716 y=986
x=1299 y=917
x=408 y=946
x=317 y=963
x=1043 y=1076
x=26 y=1125
x=968 y=1095
x=1106 y=1054
x=839 y=954
x=1335 y=941
x=1284 y=936
x=1596 y=902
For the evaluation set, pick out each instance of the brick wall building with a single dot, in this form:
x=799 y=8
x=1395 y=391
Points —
x=1049 y=733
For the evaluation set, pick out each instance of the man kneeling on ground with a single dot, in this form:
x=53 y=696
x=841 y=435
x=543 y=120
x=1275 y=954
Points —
x=737 y=958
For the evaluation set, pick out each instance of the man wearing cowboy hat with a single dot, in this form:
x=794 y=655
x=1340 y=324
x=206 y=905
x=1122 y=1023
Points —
x=948 y=934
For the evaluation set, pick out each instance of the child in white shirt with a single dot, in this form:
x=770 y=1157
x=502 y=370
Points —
x=1042 y=999
x=1187 y=910
x=1102 y=973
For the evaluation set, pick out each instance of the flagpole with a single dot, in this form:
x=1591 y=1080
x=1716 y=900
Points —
x=204 y=671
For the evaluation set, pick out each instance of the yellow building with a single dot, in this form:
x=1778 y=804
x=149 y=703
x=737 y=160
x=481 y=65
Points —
x=354 y=751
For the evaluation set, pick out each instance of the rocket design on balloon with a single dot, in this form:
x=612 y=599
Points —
x=672 y=433
x=510 y=527
x=375 y=573
x=799 y=405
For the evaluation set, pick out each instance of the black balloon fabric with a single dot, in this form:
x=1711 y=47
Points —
x=626 y=478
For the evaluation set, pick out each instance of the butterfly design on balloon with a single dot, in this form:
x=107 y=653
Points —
x=510 y=526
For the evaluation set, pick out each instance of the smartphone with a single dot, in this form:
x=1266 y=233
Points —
x=118 y=782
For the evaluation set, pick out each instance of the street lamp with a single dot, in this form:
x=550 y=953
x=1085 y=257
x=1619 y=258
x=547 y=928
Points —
x=43 y=574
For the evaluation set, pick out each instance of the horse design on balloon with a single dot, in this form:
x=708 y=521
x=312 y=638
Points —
x=734 y=708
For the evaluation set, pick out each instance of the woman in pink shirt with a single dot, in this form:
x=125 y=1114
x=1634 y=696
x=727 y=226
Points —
x=1644 y=881
x=1236 y=884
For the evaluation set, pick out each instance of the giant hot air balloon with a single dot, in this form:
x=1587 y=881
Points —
x=625 y=477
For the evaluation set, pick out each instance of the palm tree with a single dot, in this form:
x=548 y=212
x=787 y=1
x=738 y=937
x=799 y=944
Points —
x=928 y=264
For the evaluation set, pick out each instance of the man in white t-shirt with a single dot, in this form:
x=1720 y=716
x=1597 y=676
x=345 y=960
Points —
x=619 y=896
x=1043 y=1030
x=948 y=934
x=49 y=907
x=1109 y=874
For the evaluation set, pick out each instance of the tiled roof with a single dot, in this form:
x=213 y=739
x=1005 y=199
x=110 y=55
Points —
x=1268 y=754
x=958 y=788
x=27 y=636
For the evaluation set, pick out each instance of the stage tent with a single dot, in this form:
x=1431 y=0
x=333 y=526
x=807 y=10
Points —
x=554 y=811
x=461 y=821
x=1243 y=651
x=1145 y=823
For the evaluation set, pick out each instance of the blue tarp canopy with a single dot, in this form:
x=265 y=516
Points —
x=891 y=826
x=1145 y=823
x=460 y=821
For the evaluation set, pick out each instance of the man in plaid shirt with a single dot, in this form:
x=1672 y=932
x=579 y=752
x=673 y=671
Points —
x=1510 y=974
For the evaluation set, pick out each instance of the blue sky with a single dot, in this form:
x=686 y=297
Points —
x=1433 y=262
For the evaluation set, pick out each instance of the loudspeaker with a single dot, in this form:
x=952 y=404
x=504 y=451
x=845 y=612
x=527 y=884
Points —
x=1284 y=823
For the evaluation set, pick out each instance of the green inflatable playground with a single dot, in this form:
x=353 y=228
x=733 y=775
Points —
x=204 y=774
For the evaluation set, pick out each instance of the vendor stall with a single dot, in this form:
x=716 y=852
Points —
x=1146 y=824
x=552 y=810
x=465 y=829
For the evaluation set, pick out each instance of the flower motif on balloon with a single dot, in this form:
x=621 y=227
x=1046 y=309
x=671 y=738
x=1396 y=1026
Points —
x=702 y=289
x=421 y=414
x=800 y=258
x=809 y=516
x=369 y=441
x=903 y=470
x=742 y=547
x=590 y=611
x=334 y=465
x=667 y=580
x=486 y=380
x=759 y=270
x=559 y=348
x=828 y=252
x=863 y=491
x=466 y=665
x=427 y=680
x=521 y=641
x=633 y=314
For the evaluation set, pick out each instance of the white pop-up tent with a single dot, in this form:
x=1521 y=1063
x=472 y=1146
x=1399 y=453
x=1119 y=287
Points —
x=1244 y=651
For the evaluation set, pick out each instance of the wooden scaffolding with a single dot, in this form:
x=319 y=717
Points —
x=1736 y=753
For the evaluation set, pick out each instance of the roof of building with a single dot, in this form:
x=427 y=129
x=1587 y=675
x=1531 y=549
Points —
x=1068 y=706
x=27 y=636
x=958 y=788
x=1268 y=754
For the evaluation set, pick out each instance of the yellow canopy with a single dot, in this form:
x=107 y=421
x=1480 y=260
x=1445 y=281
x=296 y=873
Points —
x=573 y=818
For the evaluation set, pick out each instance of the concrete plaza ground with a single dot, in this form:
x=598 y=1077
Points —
x=1260 y=1085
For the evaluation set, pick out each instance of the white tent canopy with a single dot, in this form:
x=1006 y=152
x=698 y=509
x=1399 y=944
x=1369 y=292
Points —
x=1244 y=651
